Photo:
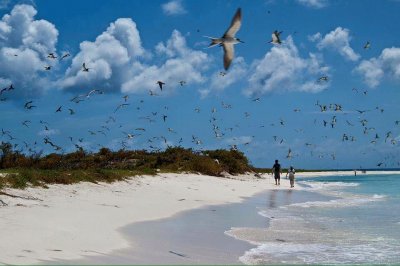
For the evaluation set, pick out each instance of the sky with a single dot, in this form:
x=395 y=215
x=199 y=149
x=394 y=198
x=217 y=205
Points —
x=326 y=97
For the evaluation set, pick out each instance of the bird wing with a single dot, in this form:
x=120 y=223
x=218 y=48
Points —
x=228 y=54
x=235 y=24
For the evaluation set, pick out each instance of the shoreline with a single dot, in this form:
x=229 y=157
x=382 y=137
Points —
x=64 y=223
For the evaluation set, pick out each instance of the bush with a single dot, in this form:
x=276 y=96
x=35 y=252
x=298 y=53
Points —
x=108 y=166
x=205 y=165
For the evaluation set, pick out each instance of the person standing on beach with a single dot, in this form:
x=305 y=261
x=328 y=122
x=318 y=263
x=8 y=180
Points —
x=276 y=170
x=291 y=173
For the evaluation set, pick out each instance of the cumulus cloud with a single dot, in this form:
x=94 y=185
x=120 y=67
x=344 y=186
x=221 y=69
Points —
x=282 y=69
x=173 y=7
x=236 y=73
x=337 y=40
x=117 y=61
x=110 y=58
x=24 y=46
x=386 y=65
x=181 y=63
x=313 y=3
x=219 y=82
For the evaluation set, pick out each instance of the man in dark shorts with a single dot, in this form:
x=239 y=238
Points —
x=276 y=170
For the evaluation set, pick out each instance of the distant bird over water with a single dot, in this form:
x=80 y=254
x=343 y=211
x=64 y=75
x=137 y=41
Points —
x=228 y=39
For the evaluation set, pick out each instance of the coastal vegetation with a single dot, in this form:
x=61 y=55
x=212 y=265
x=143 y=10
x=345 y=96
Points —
x=19 y=170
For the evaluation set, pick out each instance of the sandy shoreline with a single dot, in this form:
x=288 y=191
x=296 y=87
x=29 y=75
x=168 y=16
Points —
x=69 y=222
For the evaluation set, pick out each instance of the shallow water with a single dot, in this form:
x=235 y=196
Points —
x=361 y=225
x=198 y=236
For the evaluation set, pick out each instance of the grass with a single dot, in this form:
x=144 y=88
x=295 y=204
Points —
x=23 y=177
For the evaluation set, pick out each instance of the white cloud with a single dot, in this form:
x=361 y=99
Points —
x=386 y=65
x=173 y=7
x=236 y=73
x=314 y=3
x=338 y=40
x=181 y=63
x=282 y=69
x=111 y=58
x=24 y=46
x=204 y=93
x=118 y=61
x=219 y=82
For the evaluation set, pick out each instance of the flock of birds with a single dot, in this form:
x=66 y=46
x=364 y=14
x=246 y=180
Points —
x=156 y=143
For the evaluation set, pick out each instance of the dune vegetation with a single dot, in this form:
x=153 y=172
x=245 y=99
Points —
x=20 y=170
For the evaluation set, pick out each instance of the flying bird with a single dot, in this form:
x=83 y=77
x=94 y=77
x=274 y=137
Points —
x=160 y=84
x=84 y=68
x=276 y=37
x=289 y=154
x=26 y=123
x=323 y=78
x=10 y=88
x=120 y=106
x=51 y=56
x=28 y=105
x=228 y=40
x=367 y=45
x=94 y=91
x=222 y=73
x=64 y=56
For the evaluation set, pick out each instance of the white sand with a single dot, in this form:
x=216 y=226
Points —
x=70 y=221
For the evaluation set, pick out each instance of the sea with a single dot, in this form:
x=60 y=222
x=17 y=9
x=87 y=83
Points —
x=356 y=222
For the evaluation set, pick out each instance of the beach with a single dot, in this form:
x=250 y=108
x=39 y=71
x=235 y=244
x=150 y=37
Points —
x=71 y=223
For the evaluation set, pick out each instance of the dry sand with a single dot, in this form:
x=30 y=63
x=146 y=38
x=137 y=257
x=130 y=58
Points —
x=66 y=222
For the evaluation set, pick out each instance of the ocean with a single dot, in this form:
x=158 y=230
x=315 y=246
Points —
x=358 y=223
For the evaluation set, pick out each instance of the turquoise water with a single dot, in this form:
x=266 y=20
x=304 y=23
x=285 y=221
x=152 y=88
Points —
x=379 y=216
x=360 y=225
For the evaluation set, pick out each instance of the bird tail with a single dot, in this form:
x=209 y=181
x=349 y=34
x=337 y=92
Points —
x=214 y=41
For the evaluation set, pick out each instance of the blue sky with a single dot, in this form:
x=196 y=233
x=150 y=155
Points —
x=129 y=45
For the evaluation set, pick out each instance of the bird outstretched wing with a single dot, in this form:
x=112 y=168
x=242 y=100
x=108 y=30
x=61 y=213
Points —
x=228 y=54
x=235 y=24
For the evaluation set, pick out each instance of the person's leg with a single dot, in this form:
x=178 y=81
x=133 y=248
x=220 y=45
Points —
x=276 y=181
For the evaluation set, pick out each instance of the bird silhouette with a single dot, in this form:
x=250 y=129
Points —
x=228 y=40
x=160 y=84
x=84 y=68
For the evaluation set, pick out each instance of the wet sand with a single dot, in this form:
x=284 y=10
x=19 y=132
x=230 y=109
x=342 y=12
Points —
x=198 y=236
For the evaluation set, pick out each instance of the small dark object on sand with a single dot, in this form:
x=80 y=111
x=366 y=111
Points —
x=178 y=254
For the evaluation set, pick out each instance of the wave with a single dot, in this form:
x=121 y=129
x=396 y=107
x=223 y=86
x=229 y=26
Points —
x=336 y=203
x=293 y=253
x=313 y=185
